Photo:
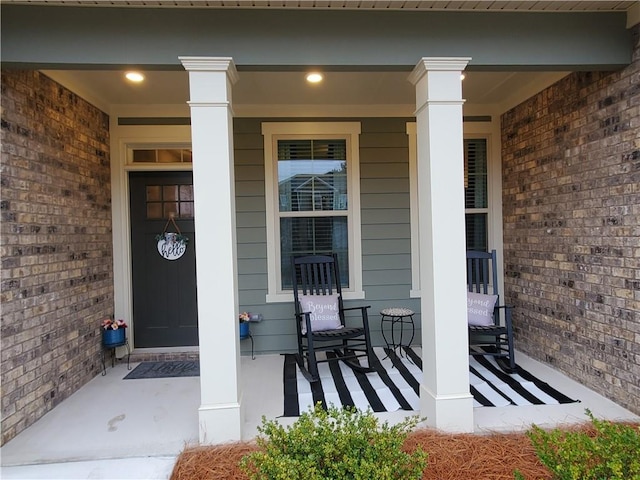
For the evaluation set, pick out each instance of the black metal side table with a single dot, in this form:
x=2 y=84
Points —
x=397 y=318
x=112 y=349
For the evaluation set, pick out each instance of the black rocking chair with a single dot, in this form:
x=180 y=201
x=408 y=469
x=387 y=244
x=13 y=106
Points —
x=318 y=275
x=495 y=339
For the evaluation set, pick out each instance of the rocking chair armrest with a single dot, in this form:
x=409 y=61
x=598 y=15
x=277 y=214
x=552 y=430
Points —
x=307 y=320
x=507 y=312
x=508 y=307
x=365 y=315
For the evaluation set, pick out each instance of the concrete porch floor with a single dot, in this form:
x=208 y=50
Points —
x=134 y=429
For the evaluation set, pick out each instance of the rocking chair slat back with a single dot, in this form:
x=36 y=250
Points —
x=481 y=274
x=318 y=275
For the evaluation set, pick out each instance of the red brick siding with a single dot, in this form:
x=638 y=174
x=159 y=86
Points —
x=57 y=277
x=571 y=176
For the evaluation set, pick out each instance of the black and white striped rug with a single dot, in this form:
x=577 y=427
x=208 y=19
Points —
x=395 y=385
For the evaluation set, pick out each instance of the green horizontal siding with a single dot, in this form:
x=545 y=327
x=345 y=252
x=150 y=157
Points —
x=384 y=185
x=386 y=246
x=250 y=172
x=247 y=203
x=386 y=262
x=250 y=219
x=384 y=200
x=383 y=231
x=387 y=216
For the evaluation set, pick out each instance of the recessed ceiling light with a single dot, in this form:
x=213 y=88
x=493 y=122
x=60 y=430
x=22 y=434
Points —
x=314 y=77
x=136 y=77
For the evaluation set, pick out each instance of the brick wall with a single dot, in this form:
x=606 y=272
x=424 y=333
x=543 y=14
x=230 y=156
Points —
x=57 y=279
x=571 y=198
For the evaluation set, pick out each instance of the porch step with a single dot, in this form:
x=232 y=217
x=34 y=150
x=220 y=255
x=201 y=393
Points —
x=142 y=356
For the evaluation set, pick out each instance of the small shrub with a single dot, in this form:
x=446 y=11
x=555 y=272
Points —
x=611 y=453
x=336 y=444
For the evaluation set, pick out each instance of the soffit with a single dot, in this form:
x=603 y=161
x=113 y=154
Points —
x=477 y=5
x=287 y=93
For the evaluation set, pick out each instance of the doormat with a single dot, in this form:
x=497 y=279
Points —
x=170 y=369
x=395 y=384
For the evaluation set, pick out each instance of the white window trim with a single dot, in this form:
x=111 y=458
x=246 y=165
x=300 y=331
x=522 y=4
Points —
x=275 y=131
x=412 y=133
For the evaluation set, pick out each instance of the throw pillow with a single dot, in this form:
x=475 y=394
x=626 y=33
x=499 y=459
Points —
x=324 y=312
x=480 y=309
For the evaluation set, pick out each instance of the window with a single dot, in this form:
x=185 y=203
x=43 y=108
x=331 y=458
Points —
x=313 y=200
x=476 y=191
x=476 y=201
x=161 y=155
x=165 y=201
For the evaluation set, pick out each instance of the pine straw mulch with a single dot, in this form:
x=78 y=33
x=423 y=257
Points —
x=451 y=457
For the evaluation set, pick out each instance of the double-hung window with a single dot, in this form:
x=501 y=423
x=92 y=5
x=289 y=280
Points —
x=476 y=198
x=476 y=193
x=313 y=200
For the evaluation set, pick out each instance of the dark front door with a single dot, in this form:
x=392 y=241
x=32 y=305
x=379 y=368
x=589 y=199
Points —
x=164 y=291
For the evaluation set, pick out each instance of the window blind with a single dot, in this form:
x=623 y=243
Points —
x=475 y=161
x=312 y=149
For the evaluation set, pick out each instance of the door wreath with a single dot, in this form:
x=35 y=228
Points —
x=171 y=245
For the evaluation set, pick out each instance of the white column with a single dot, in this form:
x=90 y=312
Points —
x=210 y=82
x=444 y=393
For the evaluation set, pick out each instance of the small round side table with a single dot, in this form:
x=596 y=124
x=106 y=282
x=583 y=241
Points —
x=111 y=346
x=245 y=332
x=397 y=317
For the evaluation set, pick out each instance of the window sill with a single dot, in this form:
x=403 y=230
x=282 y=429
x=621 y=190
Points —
x=288 y=297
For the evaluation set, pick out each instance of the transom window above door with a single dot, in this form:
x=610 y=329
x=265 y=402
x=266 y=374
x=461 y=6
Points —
x=312 y=196
x=161 y=155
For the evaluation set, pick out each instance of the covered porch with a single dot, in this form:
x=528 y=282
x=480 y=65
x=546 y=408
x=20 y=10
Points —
x=568 y=315
x=145 y=423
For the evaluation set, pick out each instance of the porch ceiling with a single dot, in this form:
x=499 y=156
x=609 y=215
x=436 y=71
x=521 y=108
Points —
x=258 y=92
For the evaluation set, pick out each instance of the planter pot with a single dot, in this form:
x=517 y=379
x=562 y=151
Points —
x=114 y=337
x=244 y=330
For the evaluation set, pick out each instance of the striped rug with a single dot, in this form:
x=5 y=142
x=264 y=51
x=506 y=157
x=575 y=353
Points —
x=395 y=385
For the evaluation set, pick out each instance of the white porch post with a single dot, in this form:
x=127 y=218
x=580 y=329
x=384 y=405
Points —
x=444 y=393
x=210 y=81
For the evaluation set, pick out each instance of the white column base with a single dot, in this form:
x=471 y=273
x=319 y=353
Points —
x=450 y=413
x=220 y=423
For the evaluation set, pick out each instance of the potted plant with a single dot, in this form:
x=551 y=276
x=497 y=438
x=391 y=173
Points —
x=113 y=332
x=244 y=319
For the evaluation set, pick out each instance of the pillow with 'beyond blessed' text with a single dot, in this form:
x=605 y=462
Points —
x=324 y=312
x=480 y=309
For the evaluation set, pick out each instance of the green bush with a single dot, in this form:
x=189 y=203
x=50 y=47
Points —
x=612 y=453
x=337 y=444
